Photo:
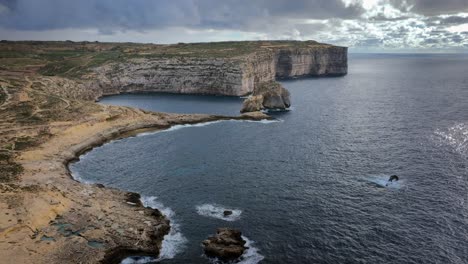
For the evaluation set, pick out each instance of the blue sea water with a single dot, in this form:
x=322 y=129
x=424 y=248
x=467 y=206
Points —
x=311 y=187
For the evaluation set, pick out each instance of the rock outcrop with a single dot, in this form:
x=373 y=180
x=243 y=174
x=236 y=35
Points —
x=269 y=95
x=226 y=245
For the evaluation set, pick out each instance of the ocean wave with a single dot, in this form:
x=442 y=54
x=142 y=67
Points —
x=77 y=177
x=177 y=127
x=217 y=211
x=456 y=137
x=138 y=260
x=250 y=256
x=173 y=243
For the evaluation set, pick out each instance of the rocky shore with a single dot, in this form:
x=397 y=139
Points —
x=48 y=117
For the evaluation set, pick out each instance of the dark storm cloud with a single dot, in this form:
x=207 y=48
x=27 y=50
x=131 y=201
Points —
x=432 y=7
x=149 y=14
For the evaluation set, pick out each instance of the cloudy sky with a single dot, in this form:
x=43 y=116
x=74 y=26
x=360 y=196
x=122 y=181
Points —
x=362 y=25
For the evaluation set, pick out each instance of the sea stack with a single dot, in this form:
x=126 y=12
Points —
x=226 y=245
x=268 y=95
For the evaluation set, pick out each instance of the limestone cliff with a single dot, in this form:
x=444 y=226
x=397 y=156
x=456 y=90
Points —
x=329 y=61
x=232 y=76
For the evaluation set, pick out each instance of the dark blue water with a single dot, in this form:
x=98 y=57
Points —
x=311 y=188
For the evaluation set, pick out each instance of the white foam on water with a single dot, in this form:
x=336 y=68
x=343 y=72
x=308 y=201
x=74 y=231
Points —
x=456 y=137
x=174 y=242
x=272 y=110
x=138 y=260
x=250 y=256
x=382 y=181
x=77 y=177
x=263 y=121
x=217 y=211
x=177 y=127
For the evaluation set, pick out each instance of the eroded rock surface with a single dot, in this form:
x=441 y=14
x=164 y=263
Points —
x=269 y=95
x=226 y=245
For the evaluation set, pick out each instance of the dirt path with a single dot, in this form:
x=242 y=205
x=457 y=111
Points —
x=8 y=96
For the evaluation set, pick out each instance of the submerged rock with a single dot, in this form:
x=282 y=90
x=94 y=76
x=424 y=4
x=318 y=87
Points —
x=268 y=95
x=227 y=212
x=393 y=178
x=227 y=244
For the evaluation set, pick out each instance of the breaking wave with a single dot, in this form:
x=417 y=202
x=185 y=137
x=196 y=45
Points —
x=177 y=127
x=381 y=181
x=217 y=211
x=173 y=243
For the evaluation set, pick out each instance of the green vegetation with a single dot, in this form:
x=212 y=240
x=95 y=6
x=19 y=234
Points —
x=74 y=59
x=3 y=96
x=25 y=142
x=9 y=170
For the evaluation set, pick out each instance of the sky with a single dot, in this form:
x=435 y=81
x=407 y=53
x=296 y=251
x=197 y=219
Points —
x=361 y=25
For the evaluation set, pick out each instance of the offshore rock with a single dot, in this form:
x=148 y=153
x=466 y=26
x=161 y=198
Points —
x=226 y=245
x=268 y=95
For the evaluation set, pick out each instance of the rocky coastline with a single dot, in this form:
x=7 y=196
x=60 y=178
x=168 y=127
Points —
x=49 y=118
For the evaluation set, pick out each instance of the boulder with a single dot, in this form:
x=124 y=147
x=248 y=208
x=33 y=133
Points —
x=267 y=95
x=226 y=245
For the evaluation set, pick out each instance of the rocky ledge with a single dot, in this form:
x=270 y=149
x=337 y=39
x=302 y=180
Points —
x=226 y=245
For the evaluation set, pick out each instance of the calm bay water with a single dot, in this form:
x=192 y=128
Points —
x=310 y=188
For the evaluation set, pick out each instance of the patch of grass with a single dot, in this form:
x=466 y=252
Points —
x=10 y=172
x=3 y=96
x=25 y=142
x=23 y=110
x=74 y=59
x=61 y=68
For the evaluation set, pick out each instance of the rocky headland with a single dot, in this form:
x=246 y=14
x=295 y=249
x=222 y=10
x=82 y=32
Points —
x=48 y=117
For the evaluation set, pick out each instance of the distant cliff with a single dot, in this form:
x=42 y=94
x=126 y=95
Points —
x=233 y=76
x=89 y=70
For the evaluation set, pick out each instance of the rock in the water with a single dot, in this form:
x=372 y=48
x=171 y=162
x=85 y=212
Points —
x=227 y=244
x=227 y=212
x=267 y=95
x=286 y=96
x=393 y=178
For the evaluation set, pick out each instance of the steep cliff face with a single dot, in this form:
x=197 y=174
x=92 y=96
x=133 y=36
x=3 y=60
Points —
x=175 y=75
x=324 y=61
x=232 y=76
